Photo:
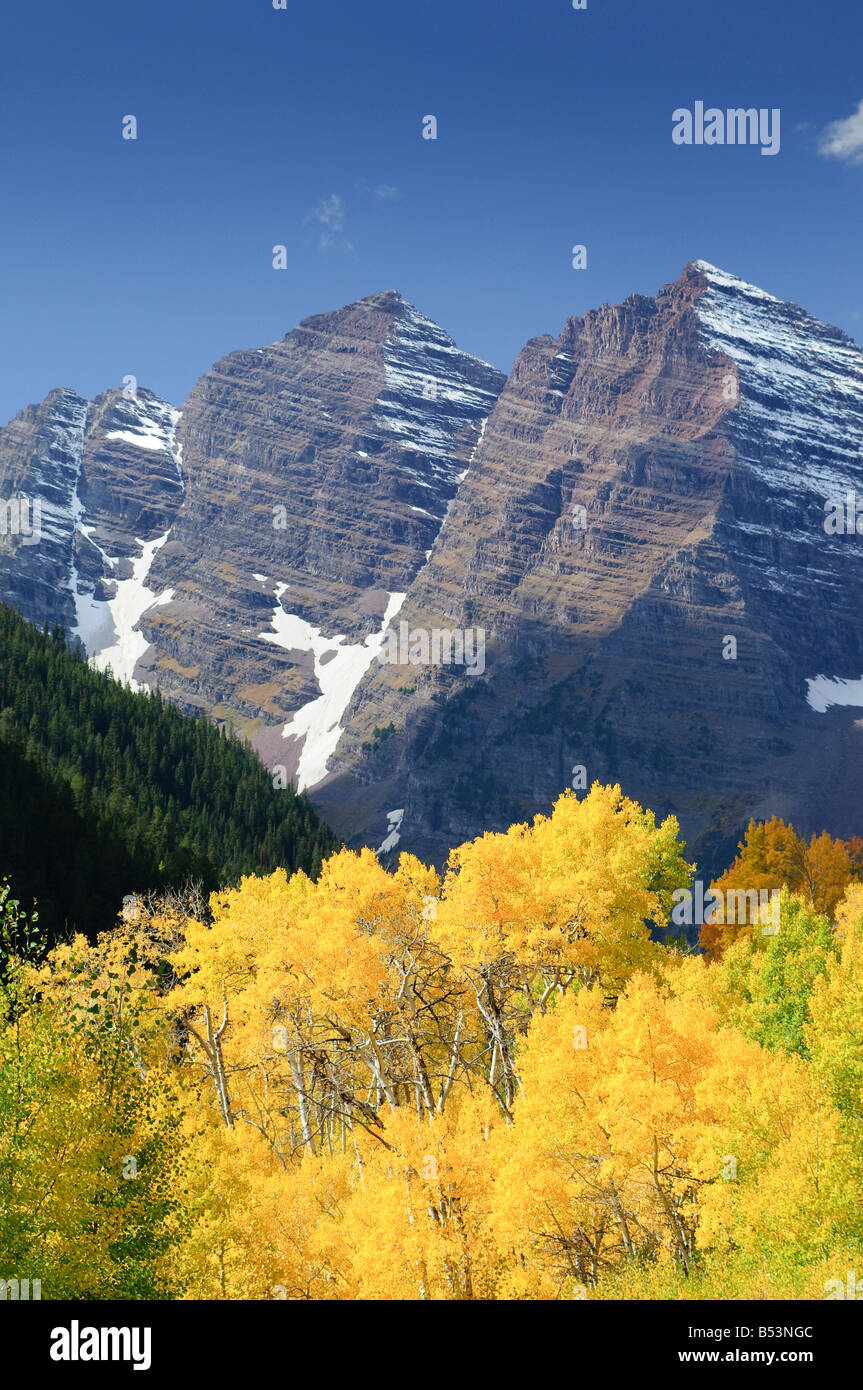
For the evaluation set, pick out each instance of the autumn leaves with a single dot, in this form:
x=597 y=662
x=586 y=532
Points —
x=335 y=1093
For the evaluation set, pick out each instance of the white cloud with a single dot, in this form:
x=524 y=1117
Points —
x=330 y=214
x=386 y=191
x=844 y=139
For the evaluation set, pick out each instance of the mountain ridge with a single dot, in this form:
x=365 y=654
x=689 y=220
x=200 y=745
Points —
x=608 y=515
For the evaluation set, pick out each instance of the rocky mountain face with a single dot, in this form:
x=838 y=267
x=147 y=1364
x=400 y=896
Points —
x=40 y=463
x=281 y=518
x=318 y=473
x=622 y=550
x=641 y=537
x=88 y=491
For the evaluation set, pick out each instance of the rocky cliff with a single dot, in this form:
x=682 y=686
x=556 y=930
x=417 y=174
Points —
x=641 y=536
x=319 y=470
x=246 y=554
x=100 y=483
x=622 y=549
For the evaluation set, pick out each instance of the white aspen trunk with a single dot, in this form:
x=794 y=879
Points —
x=450 y=1076
x=298 y=1079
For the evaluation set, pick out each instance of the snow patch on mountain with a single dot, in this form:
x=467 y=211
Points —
x=339 y=668
x=394 y=825
x=108 y=627
x=147 y=423
x=824 y=691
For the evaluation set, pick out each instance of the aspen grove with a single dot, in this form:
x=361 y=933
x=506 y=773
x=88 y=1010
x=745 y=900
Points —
x=506 y=1082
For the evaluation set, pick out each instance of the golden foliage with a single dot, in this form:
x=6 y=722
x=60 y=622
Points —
x=494 y=1085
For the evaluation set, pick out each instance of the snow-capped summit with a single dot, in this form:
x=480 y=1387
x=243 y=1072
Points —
x=434 y=394
x=801 y=384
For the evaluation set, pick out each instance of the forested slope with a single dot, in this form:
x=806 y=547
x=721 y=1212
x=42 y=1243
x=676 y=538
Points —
x=105 y=791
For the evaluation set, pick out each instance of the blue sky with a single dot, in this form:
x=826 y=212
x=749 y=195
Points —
x=303 y=127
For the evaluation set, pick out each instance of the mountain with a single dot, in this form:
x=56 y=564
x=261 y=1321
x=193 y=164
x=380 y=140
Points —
x=630 y=529
x=102 y=479
x=318 y=472
x=320 y=467
x=700 y=431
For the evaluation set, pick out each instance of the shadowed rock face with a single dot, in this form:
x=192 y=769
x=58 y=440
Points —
x=643 y=489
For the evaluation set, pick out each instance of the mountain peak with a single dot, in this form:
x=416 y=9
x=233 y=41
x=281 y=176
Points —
x=384 y=299
x=724 y=279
